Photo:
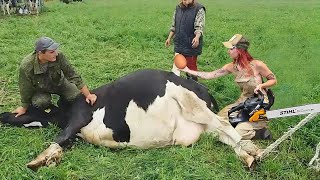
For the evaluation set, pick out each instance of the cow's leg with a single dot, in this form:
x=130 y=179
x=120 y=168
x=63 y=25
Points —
x=36 y=5
x=194 y=109
x=8 y=8
x=30 y=8
x=180 y=137
x=33 y=115
x=10 y=118
x=3 y=7
x=53 y=154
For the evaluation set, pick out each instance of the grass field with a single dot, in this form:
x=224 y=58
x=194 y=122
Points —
x=106 y=39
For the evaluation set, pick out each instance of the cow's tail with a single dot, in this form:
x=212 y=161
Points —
x=214 y=107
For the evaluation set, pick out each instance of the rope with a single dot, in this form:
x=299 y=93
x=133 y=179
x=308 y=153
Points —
x=315 y=161
x=285 y=136
x=2 y=91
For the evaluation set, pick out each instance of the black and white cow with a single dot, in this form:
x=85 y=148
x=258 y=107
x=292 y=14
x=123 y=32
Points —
x=145 y=109
x=5 y=6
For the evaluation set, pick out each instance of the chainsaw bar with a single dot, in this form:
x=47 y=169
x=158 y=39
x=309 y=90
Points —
x=293 y=111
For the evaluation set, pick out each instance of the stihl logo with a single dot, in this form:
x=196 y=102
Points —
x=288 y=111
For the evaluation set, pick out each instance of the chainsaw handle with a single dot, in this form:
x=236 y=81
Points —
x=235 y=108
x=260 y=94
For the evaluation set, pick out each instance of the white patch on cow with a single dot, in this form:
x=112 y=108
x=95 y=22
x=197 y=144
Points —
x=33 y=124
x=96 y=131
x=194 y=109
x=153 y=128
x=164 y=122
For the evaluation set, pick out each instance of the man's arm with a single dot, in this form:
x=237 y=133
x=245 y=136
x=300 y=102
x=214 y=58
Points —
x=199 y=24
x=73 y=77
x=26 y=88
x=26 y=92
x=69 y=72
x=172 y=30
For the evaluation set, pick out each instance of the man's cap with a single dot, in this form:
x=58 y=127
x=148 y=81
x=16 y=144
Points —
x=46 y=43
x=238 y=41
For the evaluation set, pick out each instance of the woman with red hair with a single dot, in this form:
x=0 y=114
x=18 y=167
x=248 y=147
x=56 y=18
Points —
x=249 y=74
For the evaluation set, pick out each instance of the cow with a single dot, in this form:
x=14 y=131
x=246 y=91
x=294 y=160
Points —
x=68 y=1
x=5 y=6
x=34 y=6
x=145 y=109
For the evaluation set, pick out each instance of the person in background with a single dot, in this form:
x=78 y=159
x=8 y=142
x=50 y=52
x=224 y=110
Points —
x=187 y=32
x=249 y=74
x=47 y=71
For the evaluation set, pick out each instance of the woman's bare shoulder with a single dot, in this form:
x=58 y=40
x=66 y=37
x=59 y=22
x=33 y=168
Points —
x=258 y=63
x=228 y=67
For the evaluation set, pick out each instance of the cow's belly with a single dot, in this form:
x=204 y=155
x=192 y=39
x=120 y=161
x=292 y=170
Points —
x=154 y=127
x=96 y=131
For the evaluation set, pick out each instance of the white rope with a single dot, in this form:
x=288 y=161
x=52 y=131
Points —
x=2 y=91
x=285 y=136
x=315 y=161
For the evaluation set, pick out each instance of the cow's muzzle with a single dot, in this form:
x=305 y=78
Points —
x=50 y=156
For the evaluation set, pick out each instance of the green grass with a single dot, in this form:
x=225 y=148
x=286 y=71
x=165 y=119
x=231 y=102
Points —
x=106 y=39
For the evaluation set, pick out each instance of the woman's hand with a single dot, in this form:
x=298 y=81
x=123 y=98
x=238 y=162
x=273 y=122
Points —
x=259 y=87
x=186 y=69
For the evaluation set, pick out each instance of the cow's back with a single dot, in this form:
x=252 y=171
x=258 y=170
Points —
x=144 y=86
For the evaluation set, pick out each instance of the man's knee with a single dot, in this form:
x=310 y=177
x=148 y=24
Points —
x=69 y=92
x=263 y=134
x=41 y=100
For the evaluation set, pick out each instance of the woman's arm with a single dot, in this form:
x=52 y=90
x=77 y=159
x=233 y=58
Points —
x=265 y=72
x=209 y=75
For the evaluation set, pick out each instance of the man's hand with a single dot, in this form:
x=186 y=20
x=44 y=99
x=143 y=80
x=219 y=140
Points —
x=20 y=111
x=167 y=42
x=195 y=42
x=91 y=99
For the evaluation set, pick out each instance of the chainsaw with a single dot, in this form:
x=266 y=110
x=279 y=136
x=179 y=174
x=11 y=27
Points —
x=257 y=108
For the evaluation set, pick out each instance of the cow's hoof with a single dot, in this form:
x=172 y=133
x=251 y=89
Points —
x=259 y=151
x=52 y=155
x=251 y=163
x=34 y=165
x=252 y=166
